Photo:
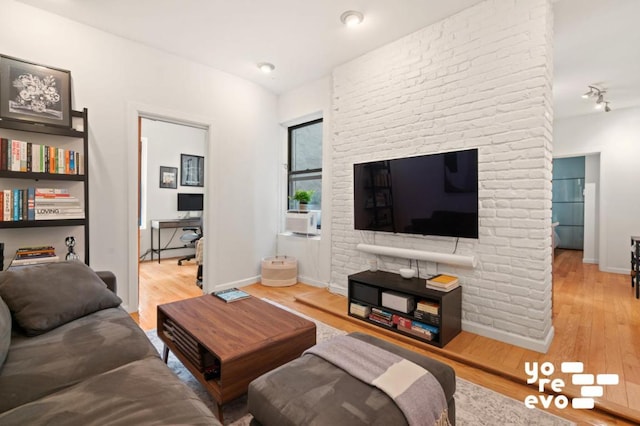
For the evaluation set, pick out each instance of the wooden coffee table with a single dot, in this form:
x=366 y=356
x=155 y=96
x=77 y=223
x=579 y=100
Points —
x=227 y=345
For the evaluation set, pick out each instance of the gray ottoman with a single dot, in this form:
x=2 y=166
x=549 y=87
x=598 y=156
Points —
x=310 y=390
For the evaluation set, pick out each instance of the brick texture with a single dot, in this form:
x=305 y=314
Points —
x=479 y=79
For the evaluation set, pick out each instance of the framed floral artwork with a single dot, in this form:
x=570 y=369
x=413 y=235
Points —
x=34 y=93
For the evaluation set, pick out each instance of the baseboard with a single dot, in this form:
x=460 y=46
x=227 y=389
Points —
x=336 y=289
x=615 y=270
x=589 y=260
x=311 y=282
x=541 y=346
x=239 y=283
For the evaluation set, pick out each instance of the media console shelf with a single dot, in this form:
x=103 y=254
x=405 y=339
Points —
x=366 y=288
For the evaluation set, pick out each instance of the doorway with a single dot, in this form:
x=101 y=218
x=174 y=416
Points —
x=167 y=270
x=576 y=206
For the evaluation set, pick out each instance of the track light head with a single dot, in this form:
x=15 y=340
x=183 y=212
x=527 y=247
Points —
x=597 y=93
x=590 y=93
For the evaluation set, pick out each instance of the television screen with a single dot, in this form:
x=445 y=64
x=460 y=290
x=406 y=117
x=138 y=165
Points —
x=190 y=202
x=426 y=195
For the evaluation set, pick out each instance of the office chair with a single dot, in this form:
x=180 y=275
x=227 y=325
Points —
x=189 y=239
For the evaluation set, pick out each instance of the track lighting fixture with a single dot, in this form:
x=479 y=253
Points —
x=597 y=93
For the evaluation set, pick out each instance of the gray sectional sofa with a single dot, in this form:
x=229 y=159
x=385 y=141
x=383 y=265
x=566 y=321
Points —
x=69 y=355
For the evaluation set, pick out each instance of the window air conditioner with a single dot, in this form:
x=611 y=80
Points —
x=302 y=222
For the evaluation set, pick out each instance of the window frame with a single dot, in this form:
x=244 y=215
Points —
x=292 y=174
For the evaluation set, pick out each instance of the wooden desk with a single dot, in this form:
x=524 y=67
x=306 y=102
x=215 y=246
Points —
x=170 y=223
x=227 y=345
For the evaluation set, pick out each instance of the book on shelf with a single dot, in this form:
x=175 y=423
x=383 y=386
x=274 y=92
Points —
x=442 y=280
x=428 y=306
x=231 y=294
x=445 y=289
x=359 y=310
x=34 y=260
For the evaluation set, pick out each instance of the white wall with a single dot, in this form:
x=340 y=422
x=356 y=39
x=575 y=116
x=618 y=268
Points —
x=297 y=106
x=109 y=74
x=481 y=78
x=616 y=136
x=165 y=143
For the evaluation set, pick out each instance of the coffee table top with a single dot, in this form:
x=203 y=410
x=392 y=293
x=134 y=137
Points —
x=232 y=329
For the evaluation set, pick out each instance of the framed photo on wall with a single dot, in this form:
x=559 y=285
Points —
x=168 y=177
x=34 y=93
x=191 y=170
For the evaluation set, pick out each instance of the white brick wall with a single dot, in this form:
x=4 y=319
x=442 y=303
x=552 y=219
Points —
x=481 y=78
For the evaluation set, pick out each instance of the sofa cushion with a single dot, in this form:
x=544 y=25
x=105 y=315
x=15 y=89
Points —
x=91 y=345
x=43 y=297
x=5 y=331
x=143 y=392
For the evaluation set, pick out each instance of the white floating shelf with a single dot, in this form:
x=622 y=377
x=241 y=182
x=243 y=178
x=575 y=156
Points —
x=431 y=256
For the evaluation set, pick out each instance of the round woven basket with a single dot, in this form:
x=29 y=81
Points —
x=279 y=271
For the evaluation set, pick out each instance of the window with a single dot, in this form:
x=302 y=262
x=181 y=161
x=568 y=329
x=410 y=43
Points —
x=305 y=162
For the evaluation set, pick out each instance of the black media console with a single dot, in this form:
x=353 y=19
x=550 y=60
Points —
x=366 y=289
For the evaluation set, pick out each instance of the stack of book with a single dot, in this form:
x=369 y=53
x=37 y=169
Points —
x=34 y=255
x=359 y=310
x=381 y=317
x=443 y=282
x=424 y=331
x=427 y=310
x=56 y=203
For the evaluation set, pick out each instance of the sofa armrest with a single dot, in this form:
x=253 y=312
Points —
x=109 y=279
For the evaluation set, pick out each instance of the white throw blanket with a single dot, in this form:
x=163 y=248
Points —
x=415 y=391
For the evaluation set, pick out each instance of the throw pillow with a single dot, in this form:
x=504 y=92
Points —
x=43 y=297
x=5 y=331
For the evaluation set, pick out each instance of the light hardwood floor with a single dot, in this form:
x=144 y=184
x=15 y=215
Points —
x=596 y=320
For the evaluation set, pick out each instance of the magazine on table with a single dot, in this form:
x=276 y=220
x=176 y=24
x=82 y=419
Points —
x=231 y=295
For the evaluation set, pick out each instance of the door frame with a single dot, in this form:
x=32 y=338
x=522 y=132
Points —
x=134 y=111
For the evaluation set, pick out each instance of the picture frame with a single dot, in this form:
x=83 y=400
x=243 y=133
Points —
x=34 y=93
x=168 y=177
x=191 y=170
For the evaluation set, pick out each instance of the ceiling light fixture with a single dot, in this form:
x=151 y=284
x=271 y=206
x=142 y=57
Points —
x=352 y=18
x=597 y=93
x=266 y=67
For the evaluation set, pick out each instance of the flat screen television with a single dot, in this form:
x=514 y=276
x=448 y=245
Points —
x=188 y=202
x=426 y=195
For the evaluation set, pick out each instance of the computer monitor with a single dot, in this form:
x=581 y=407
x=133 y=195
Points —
x=188 y=202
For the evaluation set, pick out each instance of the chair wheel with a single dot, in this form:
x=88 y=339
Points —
x=179 y=262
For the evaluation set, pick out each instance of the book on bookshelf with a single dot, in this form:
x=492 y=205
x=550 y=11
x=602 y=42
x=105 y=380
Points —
x=442 y=280
x=446 y=288
x=231 y=295
x=34 y=260
x=359 y=310
x=428 y=306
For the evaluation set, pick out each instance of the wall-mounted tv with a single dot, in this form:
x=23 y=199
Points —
x=188 y=202
x=426 y=195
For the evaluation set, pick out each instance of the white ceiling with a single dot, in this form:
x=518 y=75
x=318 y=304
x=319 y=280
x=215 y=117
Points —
x=595 y=41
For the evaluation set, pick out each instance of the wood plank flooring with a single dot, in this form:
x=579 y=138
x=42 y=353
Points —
x=596 y=320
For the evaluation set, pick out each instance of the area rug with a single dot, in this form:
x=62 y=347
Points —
x=475 y=405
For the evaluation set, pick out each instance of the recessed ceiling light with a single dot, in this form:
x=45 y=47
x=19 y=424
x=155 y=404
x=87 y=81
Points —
x=352 y=18
x=266 y=67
